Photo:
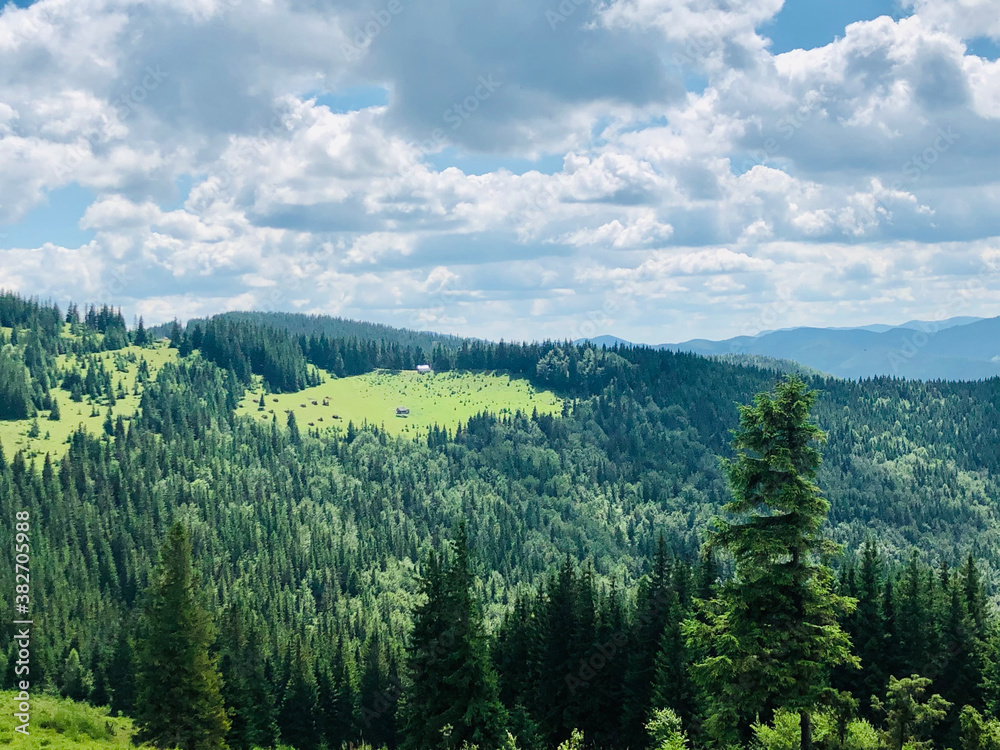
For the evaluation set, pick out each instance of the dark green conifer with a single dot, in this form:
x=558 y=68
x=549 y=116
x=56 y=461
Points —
x=452 y=683
x=772 y=636
x=178 y=701
x=297 y=717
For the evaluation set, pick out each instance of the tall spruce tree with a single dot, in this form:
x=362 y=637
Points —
x=247 y=691
x=179 y=700
x=452 y=682
x=299 y=707
x=671 y=688
x=653 y=599
x=771 y=637
x=914 y=618
x=868 y=631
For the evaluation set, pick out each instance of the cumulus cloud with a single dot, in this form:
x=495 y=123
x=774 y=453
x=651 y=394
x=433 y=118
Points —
x=859 y=175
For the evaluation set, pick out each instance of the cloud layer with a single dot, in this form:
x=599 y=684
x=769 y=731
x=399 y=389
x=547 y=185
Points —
x=646 y=167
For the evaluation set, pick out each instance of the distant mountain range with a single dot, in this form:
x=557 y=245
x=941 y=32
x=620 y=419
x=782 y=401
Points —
x=961 y=348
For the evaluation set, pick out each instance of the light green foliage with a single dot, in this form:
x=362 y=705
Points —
x=575 y=741
x=909 y=715
x=61 y=724
x=553 y=368
x=783 y=733
x=665 y=730
x=862 y=736
x=76 y=680
x=979 y=732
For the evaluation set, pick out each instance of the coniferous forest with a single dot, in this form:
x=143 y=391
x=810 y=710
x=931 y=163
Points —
x=693 y=553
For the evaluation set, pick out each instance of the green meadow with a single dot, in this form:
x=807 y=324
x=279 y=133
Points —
x=445 y=399
x=54 y=436
x=60 y=724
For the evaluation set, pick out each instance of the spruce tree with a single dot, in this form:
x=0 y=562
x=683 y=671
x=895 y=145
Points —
x=297 y=717
x=178 y=700
x=671 y=688
x=294 y=436
x=175 y=335
x=378 y=696
x=76 y=680
x=961 y=672
x=771 y=637
x=452 y=683
x=121 y=671
x=246 y=689
x=866 y=626
x=652 y=602
x=975 y=598
x=914 y=618
x=338 y=709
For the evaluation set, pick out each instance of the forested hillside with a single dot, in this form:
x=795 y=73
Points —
x=314 y=549
x=324 y=325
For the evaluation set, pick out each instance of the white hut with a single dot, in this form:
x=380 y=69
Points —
x=423 y=368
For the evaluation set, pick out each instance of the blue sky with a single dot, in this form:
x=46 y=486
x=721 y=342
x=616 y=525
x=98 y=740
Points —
x=806 y=24
x=656 y=169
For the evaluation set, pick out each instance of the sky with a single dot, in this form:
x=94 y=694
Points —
x=655 y=169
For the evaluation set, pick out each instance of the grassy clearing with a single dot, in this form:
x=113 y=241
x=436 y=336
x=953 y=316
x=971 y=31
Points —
x=61 y=724
x=446 y=399
x=54 y=435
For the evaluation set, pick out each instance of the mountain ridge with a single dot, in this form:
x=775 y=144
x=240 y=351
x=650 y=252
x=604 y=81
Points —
x=960 y=348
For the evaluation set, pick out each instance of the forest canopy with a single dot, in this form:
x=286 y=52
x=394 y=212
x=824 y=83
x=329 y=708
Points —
x=584 y=538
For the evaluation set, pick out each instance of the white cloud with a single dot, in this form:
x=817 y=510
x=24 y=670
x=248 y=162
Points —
x=223 y=180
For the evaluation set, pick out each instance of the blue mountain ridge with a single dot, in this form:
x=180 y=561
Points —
x=955 y=349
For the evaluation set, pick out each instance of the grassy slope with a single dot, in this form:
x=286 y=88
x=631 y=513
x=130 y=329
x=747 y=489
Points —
x=14 y=435
x=446 y=398
x=58 y=724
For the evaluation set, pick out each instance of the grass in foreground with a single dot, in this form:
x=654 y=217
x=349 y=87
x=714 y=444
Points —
x=61 y=724
x=446 y=398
